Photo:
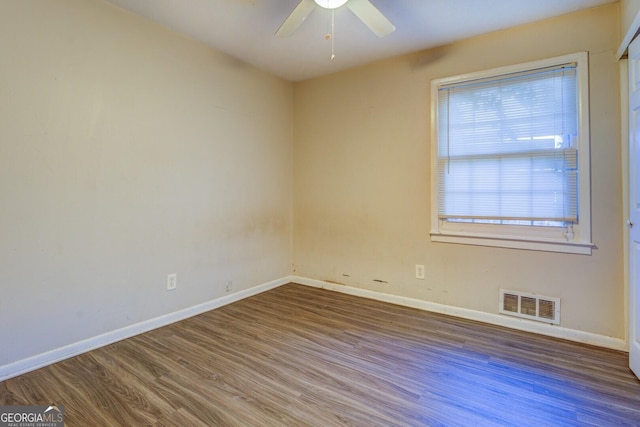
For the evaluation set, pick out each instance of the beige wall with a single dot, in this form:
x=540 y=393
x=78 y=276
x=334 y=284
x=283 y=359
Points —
x=361 y=180
x=128 y=152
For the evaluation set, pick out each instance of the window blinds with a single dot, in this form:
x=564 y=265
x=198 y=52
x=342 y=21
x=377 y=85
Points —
x=507 y=148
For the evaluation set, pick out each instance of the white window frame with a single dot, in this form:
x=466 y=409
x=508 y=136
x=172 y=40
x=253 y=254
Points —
x=552 y=239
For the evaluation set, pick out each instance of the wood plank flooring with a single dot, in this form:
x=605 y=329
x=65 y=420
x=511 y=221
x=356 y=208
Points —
x=299 y=356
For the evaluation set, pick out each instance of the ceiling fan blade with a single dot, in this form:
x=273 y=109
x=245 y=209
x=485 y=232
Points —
x=297 y=17
x=372 y=17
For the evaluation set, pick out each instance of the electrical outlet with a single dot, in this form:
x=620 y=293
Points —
x=419 y=271
x=229 y=286
x=172 y=281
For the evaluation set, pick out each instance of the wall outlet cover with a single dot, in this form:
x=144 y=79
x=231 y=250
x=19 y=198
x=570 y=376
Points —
x=172 y=282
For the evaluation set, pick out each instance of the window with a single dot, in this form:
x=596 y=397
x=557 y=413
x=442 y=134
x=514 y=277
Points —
x=510 y=157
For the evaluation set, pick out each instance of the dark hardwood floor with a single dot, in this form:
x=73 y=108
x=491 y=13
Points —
x=304 y=356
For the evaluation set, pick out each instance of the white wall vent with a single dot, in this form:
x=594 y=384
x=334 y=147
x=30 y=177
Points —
x=530 y=306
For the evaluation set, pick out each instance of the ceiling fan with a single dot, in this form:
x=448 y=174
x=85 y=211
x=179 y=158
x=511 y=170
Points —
x=363 y=9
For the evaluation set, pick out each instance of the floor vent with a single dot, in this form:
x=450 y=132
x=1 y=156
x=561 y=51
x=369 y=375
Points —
x=530 y=306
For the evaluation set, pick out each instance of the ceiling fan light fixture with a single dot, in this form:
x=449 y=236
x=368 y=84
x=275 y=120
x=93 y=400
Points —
x=330 y=4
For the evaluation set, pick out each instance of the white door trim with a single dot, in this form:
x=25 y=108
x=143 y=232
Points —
x=633 y=109
x=624 y=169
x=628 y=38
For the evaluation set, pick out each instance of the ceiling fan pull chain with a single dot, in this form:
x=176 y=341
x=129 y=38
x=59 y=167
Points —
x=333 y=33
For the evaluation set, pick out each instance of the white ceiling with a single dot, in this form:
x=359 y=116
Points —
x=245 y=28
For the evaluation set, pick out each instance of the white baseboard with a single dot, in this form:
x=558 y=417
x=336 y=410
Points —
x=40 y=360
x=494 y=319
x=37 y=361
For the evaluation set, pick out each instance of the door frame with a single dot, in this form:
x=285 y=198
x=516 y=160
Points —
x=632 y=32
x=624 y=143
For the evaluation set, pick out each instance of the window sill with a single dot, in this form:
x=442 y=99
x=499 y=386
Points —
x=561 y=246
